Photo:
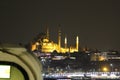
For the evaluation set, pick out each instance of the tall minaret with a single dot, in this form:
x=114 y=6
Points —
x=65 y=42
x=47 y=32
x=77 y=43
x=59 y=39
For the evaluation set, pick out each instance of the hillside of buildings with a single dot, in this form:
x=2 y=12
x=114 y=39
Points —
x=56 y=58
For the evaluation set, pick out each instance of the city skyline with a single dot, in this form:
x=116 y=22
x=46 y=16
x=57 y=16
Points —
x=95 y=22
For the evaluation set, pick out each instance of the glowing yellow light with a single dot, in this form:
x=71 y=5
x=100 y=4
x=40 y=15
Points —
x=105 y=69
x=33 y=47
x=50 y=46
x=101 y=58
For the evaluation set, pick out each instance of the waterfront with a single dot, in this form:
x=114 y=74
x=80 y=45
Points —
x=83 y=76
x=76 y=79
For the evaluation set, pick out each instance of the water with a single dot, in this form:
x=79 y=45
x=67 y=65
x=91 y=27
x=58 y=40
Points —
x=76 y=79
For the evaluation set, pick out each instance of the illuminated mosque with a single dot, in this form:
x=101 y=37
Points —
x=47 y=46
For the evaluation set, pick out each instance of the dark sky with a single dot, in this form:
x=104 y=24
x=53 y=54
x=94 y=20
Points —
x=96 y=22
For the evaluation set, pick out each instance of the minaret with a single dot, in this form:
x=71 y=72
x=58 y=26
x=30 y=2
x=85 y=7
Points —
x=77 y=43
x=65 y=43
x=47 y=32
x=59 y=39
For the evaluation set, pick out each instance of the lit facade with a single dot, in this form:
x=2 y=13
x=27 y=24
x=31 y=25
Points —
x=105 y=56
x=48 y=46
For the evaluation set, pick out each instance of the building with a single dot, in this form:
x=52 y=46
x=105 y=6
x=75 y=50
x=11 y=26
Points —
x=105 y=56
x=47 y=46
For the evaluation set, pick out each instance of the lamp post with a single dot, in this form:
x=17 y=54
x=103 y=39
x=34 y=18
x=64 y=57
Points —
x=111 y=65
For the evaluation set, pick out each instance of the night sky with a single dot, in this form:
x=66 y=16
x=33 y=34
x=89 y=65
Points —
x=96 y=22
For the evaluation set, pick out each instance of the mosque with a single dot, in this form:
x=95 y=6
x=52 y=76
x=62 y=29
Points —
x=47 y=46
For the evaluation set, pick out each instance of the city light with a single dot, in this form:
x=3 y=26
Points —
x=105 y=69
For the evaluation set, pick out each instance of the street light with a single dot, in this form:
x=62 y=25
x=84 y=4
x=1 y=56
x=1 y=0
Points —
x=111 y=65
x=105 y=69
